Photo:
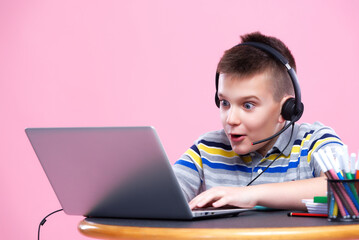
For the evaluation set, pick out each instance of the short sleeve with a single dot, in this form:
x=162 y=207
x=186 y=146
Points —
x=321 y=137
x=189 y=173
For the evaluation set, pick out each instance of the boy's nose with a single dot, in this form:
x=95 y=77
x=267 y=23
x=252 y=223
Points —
x=233 y=117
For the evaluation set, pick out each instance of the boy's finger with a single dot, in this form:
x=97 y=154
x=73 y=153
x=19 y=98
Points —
x=220 y=203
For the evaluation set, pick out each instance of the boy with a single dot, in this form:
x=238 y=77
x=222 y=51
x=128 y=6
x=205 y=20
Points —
x=252 y=87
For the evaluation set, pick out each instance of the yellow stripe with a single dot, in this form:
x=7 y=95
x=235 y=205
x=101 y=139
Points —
x=217 y=151
x=319 y=143
x=231 y=153
x=305 y=139
x=195 y=157
x=273 y=156
x=247 y=158
x=295 y=149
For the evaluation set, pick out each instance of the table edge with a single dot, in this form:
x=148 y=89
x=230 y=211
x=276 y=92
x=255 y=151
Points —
x=103 y=231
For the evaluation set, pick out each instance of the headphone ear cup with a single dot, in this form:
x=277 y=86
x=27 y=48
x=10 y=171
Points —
x=288 y=109
x=216 y=99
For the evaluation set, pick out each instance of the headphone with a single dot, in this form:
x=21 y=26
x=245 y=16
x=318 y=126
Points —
x=292 y=108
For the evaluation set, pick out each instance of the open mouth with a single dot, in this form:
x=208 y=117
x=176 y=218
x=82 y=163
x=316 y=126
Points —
x=236 y=137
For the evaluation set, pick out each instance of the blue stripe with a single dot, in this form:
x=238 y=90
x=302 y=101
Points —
x=216 y=144
x=307 y=133
x=187 y=164
x=313 y=173
x=339 y=143
x=279 y=169
x=327 y=135
x=225 y=166
x=304 y=152
x=297 y=142
x=194 y=148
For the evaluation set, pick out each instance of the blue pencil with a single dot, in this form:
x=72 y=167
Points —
x=331 y=206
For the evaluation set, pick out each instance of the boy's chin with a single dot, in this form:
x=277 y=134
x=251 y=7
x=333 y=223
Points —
x=242 y=150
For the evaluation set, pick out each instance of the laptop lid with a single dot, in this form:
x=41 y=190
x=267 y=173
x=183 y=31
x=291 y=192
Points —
x=110 y=172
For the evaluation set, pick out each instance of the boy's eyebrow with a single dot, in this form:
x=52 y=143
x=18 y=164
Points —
x=242 y=98
x=220 y=94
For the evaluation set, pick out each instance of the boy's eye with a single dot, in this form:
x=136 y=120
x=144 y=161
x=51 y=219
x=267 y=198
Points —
x=224 y=103
x=248 y=105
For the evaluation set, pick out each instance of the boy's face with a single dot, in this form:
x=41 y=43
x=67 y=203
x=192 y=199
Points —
x=249 y=112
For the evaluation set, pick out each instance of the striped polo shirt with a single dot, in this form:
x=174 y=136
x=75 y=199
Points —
x=211 y=162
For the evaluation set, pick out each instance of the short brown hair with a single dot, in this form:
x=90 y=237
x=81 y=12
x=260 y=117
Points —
x=246 y=61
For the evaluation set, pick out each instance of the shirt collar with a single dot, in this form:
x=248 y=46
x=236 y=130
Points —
x=282 y=141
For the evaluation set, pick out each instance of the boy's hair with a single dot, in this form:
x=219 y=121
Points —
x=246 y=61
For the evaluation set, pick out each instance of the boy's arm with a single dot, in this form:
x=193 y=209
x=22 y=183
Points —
x=284 y=195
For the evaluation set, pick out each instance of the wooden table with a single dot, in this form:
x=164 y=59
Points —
x=247 y=225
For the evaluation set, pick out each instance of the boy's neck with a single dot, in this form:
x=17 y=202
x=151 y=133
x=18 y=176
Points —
x=268 y=146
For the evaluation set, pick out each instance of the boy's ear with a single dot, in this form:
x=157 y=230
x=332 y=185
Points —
x=284 y=99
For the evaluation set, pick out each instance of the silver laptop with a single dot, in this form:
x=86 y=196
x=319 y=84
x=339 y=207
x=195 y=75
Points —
x=117 y=172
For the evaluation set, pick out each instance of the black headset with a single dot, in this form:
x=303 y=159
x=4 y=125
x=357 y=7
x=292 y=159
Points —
x=292 y=108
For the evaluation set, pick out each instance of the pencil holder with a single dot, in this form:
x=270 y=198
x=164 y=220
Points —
x=343 y=200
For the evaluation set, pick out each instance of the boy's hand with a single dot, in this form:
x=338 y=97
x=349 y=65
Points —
x=222 y=196
x=283 y=195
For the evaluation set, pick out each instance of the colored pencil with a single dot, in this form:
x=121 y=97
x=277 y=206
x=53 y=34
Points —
x=324 y=168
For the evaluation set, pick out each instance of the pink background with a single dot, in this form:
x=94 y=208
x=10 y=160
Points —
x=114 y=63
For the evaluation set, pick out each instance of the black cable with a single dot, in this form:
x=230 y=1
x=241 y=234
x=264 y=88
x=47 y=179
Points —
x=43 y=222
x=281 y=152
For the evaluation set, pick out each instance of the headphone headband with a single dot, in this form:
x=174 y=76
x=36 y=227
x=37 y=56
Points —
x=294 y=111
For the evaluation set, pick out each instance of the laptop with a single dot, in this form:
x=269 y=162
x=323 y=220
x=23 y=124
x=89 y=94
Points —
x=115 y=172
